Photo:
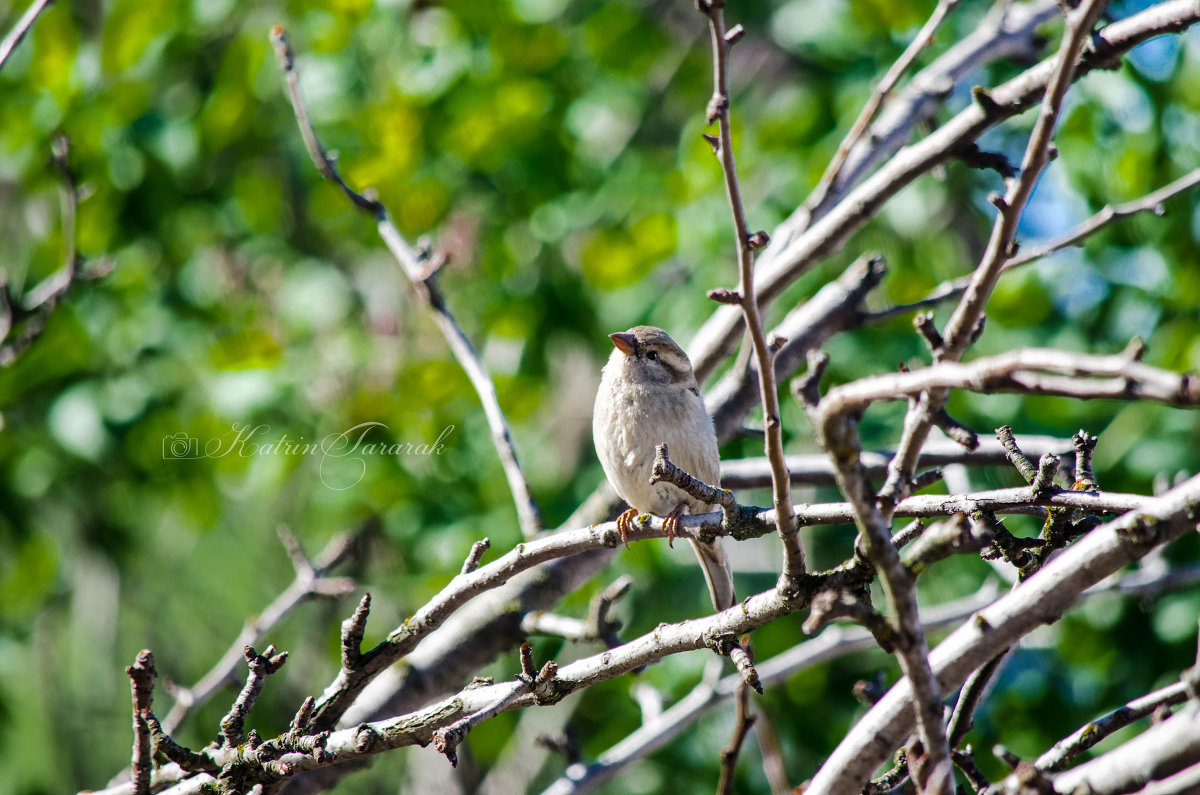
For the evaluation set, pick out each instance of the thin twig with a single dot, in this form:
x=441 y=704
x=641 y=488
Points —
x=1085 y=476
x=1088 y=735
x=426 y=287
x=312 y=581
x=22 y=27
x=880 y=93
x=261 y=666
x=793 y=566
x=729 y=754
x=1151 y=202
x=141 y=681
x=972 y=692
x=36 y=306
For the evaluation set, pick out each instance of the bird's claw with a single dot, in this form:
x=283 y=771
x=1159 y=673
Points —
x=671 y=523
x=625 y=524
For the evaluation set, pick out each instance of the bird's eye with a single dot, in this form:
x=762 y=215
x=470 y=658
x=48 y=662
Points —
x=652 y=356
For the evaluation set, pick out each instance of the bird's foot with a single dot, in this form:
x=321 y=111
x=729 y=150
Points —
x=671 y=523
x=625 y=524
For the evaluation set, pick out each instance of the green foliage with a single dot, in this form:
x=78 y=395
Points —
x=552 y=149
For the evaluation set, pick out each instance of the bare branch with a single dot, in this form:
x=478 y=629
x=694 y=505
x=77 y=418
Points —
x=478 y=550
x=1008 y=32
x=664 y=470
x=36 y=306
x=793 y=567
x=1085 y=445
x=1015 y=455
x=419 y=727
x=1088 y=735
x=141 y=681
x=837 y=432
x=793 y=254
x=426 y=287
x=962 y=719
x=261 y=666
x=837 y=306
x=729 y=754
x=22 y=27
x=1153 y=755
x=312 y=581
x=747 y=473
x=1151 y=202
x=880 y=93
x=1033 y=371
x=960 y=330
x=1040 y=599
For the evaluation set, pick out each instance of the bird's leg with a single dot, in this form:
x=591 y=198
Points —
x=671 y=523
x=625 y=524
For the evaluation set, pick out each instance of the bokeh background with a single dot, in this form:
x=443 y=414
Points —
x=552 y=148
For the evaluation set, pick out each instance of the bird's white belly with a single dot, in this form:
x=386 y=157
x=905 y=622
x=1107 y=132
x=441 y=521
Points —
x=627 y=450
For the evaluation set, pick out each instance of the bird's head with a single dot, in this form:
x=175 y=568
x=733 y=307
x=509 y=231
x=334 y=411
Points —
x=647 y=355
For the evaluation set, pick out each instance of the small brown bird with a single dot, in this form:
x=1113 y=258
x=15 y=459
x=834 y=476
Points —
x=648 y=396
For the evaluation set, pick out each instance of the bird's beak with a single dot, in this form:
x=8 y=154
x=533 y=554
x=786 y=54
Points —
x=623 y=340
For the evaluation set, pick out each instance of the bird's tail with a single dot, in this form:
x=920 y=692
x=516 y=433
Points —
x=717 y=572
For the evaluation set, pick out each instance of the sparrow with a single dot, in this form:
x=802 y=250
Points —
x=648 y=395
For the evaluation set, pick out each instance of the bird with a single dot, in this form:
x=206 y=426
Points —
x=648 y=395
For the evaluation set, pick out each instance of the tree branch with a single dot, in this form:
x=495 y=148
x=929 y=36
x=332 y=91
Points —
x=1090 y=734
x=141 y=681
x=36 y=306
x=880 y=93
x=425 y=284
x=312 y=581
x=814 y=469
x=1032 y=371
x=24 y=24
x=837 y=432
x=1038 y=600
x=794 y=254
x=793 y=565
x=1153 y=755
x=1151 y=202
